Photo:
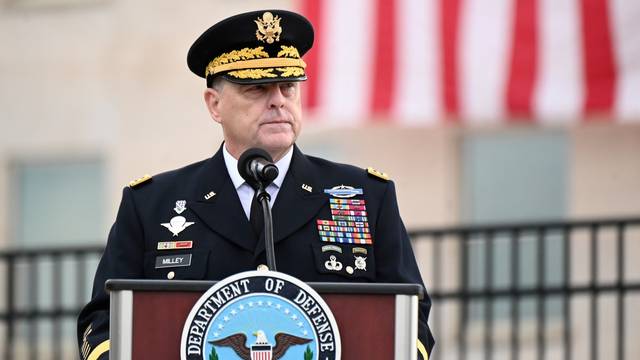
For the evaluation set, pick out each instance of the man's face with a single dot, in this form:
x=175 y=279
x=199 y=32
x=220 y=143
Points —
x=267 y=116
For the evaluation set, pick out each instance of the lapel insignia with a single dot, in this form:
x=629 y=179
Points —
x=307 y=188
x=343 y=191
x=332 y=264
x=209 y=195
x=181 y=206
x=361 y=263
x=174 y=245
x=177 y=224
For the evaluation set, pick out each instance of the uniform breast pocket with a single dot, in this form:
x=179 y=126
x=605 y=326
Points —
x=185 y=265
x=349 y=260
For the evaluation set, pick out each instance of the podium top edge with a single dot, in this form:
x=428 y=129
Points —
x=320 y=287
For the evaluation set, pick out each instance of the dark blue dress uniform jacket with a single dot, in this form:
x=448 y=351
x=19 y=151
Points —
x=224 y=243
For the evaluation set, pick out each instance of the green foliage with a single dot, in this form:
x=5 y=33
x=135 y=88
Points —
x=308 y=354
x=213 y=355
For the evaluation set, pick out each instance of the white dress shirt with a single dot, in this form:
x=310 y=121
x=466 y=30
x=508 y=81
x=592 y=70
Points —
x=245 y=191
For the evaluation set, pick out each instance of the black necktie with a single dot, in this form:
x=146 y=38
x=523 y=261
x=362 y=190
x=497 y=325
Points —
x=256 y=217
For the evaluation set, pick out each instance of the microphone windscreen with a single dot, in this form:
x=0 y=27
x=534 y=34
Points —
x=245 y=160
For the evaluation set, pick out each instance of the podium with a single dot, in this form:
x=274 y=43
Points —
x=376 y=321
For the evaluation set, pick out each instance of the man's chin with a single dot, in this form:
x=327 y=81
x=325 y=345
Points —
x=277 y=148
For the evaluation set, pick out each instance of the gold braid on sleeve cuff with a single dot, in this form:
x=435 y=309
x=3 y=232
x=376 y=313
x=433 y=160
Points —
x=99 y=350
x=422 y=350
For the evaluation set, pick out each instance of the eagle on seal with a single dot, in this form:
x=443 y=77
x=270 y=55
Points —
x=283 y=343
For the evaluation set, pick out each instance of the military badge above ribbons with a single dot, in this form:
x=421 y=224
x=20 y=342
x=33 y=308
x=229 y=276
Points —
x=260 y=315
x=349 y=223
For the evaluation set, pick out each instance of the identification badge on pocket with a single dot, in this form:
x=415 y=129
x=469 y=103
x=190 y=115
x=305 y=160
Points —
x=173 y=261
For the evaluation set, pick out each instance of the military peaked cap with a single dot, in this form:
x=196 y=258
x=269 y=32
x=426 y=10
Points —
x=254 y=47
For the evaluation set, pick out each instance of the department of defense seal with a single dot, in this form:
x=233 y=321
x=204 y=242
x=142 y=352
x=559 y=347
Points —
x=260 y=315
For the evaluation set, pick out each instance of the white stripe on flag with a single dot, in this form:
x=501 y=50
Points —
x=625 y=25
x=346 y=81
x=417 y=97
x=485 y=54
x=559 y=94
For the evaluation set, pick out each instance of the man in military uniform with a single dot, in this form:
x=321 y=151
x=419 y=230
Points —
x=332 y=222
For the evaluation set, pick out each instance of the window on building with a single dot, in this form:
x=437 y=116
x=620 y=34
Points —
x=514 y=175
x=54 y=204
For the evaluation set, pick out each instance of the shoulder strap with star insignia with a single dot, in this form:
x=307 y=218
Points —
x=139 y=181
x=375 y=173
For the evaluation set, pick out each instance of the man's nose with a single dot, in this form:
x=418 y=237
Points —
x=276 y=97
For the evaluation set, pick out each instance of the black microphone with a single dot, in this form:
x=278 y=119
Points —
x=256 y=167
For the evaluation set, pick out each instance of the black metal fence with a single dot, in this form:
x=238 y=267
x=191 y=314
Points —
x=564 y=290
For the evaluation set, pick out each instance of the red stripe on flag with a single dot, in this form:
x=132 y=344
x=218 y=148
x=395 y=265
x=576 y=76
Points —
x=599 y=62
x=312 y=10
x=384 y=56
x=523 y=67
x=449 y=35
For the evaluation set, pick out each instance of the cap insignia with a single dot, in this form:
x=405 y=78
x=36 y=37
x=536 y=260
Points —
x=269 y=28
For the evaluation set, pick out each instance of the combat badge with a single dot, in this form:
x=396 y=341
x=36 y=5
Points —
x=177 y=224
x=285 y=316
x=343 y=191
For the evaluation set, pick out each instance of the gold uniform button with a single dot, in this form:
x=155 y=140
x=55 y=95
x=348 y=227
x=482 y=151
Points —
x=263 y=267
x=350 y=270
x=171 y=275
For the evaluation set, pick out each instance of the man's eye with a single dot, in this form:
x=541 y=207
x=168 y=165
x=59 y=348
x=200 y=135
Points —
x=255 y=88
x=288 y=87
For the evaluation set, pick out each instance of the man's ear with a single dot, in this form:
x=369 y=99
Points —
x=212 y=100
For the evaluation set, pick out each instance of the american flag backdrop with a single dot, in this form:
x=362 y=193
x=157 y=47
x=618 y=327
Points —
x=474 y=61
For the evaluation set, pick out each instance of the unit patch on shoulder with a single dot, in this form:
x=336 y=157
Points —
x=139 y=181
x=378 y=174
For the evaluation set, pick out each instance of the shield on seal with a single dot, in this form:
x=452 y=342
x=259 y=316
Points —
x=261 y=352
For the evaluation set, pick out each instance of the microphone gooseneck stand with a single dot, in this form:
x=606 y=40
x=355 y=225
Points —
x=263 y=198
x=257 y=169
